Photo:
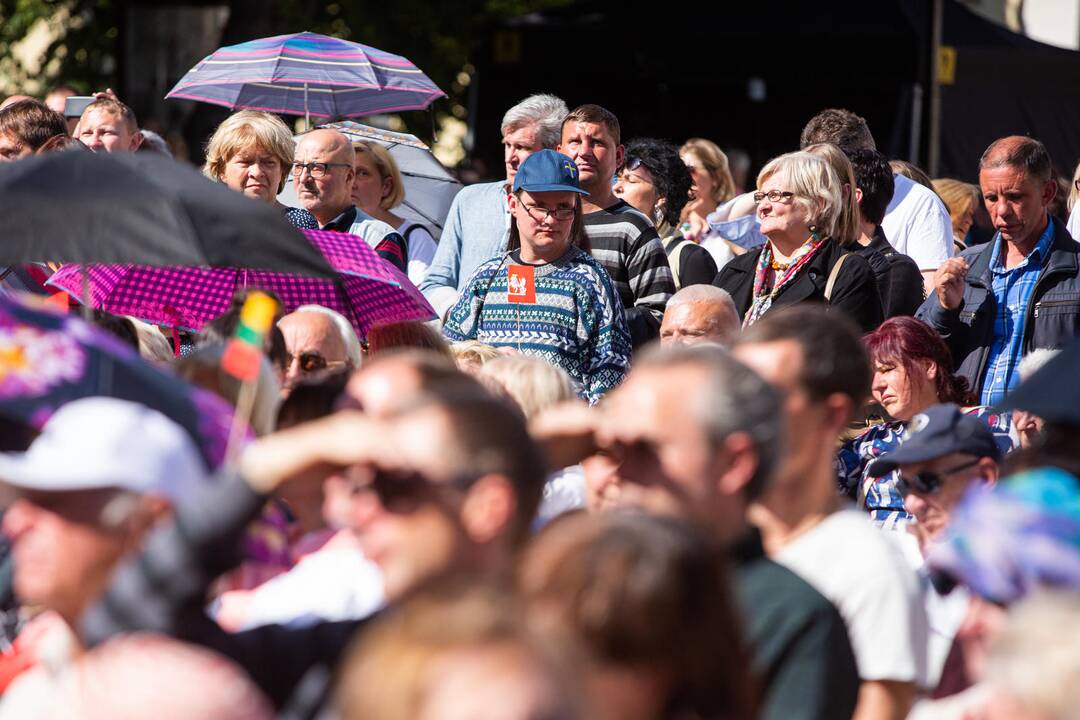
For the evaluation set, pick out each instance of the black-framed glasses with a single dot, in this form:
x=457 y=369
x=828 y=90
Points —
x=312 y=361
x=540 y=214
x=929 y=482
x=1076 y=184
x=774 y=196
x=317 y=169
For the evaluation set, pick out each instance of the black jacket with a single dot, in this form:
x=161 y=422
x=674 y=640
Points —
x=898 y=276
x=855 y=291
x=1052 y=319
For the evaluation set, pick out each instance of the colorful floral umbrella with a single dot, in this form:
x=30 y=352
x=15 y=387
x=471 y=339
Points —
x=367 y=290
x=308 y=74
x=48 y=359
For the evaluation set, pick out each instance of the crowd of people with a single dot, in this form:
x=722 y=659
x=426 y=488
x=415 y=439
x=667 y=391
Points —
x=671 y=447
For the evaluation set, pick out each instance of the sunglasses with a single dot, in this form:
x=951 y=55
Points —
x=929 y=482
x=400 y=491
x=312 y=361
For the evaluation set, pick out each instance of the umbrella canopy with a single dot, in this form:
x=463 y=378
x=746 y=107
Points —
x=429 y=187
x=307 y=73
x=367 y=290
x=48 y=359
x=140 y=208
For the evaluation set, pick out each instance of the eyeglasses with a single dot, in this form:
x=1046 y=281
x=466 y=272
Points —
x=540 y=214
x=312 y=361
x=929 y=482
x=774 y=196
x=317 y=169
x=399 y=491
x=1076 y=184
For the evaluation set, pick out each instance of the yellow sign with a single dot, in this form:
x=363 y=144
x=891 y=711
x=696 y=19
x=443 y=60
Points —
x=946 y=65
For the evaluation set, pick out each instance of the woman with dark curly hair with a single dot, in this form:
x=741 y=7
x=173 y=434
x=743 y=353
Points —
x=913 y=370
x=655 y=181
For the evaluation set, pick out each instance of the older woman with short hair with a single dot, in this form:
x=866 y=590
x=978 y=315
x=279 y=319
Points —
x=251 y=152
x=799 y=202
x=377 y=189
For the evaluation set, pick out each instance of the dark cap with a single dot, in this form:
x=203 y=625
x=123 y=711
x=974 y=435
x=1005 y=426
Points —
x=939 y=431
x=548 y=171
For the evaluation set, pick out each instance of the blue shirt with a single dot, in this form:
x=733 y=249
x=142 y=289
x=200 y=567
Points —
x=1013 y=288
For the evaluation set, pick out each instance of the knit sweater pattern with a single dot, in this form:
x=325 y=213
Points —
x=576 y=323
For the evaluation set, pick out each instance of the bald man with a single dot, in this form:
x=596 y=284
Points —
x=323 y=175
x=699 y=314
x=995 y=303
x=317 y=339
x=12 y=99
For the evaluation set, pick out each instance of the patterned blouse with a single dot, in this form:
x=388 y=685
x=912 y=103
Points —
x=880 y=496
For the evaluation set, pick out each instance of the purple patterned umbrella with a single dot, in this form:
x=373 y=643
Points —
x=307 y=73
x=367 y=290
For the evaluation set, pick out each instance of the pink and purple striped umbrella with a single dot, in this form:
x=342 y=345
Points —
x=367 y=290
x=307 y=73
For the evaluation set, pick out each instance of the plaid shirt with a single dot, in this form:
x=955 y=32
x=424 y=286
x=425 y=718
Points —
x=1013 y=289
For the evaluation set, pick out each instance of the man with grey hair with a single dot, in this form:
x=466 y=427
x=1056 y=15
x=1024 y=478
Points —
x=317 y=338
x=480 y=211
x=694 y=433
x=699 y=314
x=323 y=175
x=999 y=301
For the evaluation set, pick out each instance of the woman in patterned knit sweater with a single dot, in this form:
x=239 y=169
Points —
x=546 y=296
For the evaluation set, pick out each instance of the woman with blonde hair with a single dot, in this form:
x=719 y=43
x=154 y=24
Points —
x=251 y=152
x=962 y=199
x=712 y=183
x=376 y=190
x=800 y=203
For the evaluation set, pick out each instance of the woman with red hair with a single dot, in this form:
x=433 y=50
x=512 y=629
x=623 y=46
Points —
x=913 y=370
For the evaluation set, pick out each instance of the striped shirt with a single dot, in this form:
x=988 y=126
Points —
x=576 y=322
x=626 y=244
x=1013 y=290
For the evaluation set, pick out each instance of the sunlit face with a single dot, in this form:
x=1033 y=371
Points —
x=780 y=364
x=593 y=149
x=63 y=557
x=687 y=323
x=519 y=144
x=660 y=460
x=903 y=395
x=327 y=196
x=541 y=232
x=414 y=544
x=783 y=219
x=702 y=186
x=1016 y=203
x=636 y=188
x=11 y=149
x=369 y=187
x=933 y=510
x=104 y=131
x=311 y=339
x=254 y=172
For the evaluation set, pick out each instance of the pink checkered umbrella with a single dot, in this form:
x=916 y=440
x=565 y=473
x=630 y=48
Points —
x=367 y=290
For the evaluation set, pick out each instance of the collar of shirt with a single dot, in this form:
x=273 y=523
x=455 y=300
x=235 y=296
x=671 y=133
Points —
x=1034 y=258
x=342 y=222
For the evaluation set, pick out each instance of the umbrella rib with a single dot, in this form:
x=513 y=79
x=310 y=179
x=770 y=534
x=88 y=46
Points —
x=423 y=214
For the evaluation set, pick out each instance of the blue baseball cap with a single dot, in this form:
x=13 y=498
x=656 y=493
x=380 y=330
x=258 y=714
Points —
x=548 y=171
x=939 y=431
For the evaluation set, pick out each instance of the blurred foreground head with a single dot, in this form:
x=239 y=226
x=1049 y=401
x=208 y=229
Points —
x=648 y=601
x=458 y=651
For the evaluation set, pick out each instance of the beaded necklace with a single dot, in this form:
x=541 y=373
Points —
x=763 y=296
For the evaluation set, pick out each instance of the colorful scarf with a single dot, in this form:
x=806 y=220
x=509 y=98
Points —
x=762 y=298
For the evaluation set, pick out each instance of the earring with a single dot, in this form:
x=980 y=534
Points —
x=658 y=215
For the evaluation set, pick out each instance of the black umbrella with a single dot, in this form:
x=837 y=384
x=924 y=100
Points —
x=143 y=209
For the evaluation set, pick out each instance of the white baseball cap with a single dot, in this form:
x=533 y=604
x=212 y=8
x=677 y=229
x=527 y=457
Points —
x=102 y=442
